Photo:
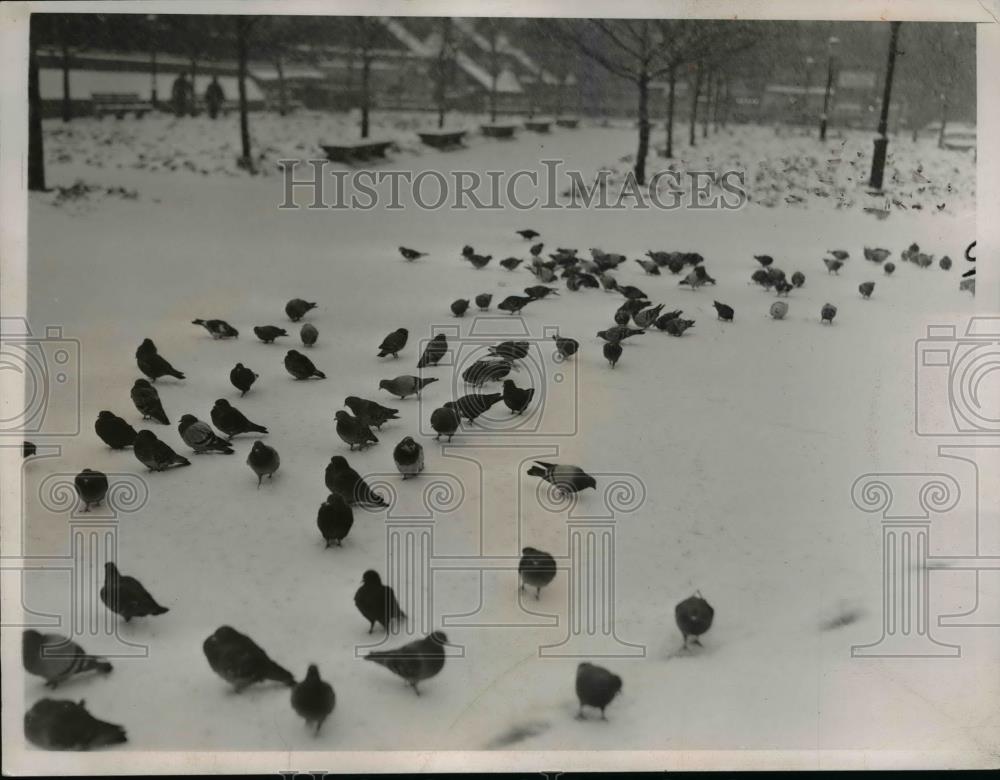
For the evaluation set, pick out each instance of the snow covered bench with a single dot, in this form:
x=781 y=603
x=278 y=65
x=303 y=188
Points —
x=538 y=127
x=362 y=150
x=498 y=131
x=442 y=139
x=119 y=104
x=572 y=124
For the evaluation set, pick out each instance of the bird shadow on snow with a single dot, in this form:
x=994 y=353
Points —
x=516 y=734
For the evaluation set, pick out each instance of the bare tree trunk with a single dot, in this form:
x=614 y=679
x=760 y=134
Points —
x=944 y=119
x=643 y=150
x=442 y=75
x=717 y=102
x=708 y=105
x=670 y=111
x=695 y=94
x=67 y=102
x=194 y=86
x=152 y=79
x=366 y=69
x=279 y=66
x=36 y=154
x=242 y=46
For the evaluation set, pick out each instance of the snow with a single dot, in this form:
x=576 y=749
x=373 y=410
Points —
x=747 y=437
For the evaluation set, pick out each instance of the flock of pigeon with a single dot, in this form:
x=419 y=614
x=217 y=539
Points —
x=235 y=657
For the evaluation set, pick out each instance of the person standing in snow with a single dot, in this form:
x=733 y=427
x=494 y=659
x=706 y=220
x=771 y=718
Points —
x=214 y=97
x=179 y=94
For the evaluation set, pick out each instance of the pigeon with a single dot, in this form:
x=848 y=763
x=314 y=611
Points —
x=268 y=333
x=91 y=487
x=567 y=479
x=220 y=329
x=647 y=316
x=514 y=303
x=537 y=569
x=154 y=454
x=630 y=292
x=459 y=307
x=231 y=421
x=833 y=266
x=876 y=255
x=840 y=254
x=663 y=319
x=393 y=343
x=539 y=291
x=889 y=268
x=675 y=266
x=536 y=249
x=125 y=595
x=798 y=279
x=416 y=661
x=781 y=287
x=619 y=333
x=650 y=267
x=660 y=258
x=242 y=378
x=511 y=350
x=608 y=282
x=483 y=301
x=370 y=413
x=60 y=724
x=334 y=519
x=694 y=617
x=297 y=308
x=147 y=401
x=827 y=313
x=945 y=263
x=778 y=310
x=445 y=421
x=353 y=431
x=408 y=456
x=866 y=289
x=436 y=349
x=528 y=234
x=612 y=352
x=479 y=261
x=263 y=460
x=634 y=305
x=596 y=687
x=761 y=277
x=151 y=364
x=308 y=334
x=114 y=431
x=347 y=483
x=623 y=316
x=472 y=405
x=377 y=602
x=28 y=449
x=200 y=437
x=483 y=371
x=698 y=277
x=411 y=254
x=406 y=385
x=313 y=699
x=467 y=251
x=56 y=658
x=517 y=398
x=240 y=661
x=764 y=260
x=510 y=263
x=301 y=367
x=566 y=347
x=923 y=260
x=677 y=326
x=725 y=312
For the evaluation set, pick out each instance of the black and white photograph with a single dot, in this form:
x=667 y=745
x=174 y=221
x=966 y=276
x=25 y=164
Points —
x=420 y=387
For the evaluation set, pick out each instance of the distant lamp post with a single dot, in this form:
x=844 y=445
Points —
x=882 y=142
x=805 y=98
x=830 y=44
x=151 y=22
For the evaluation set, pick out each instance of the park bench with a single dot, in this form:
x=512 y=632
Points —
x=538 y=127
x=498 y=131
x=442 y=139
x=572 y=124
x=119 y=104
x=361 y=150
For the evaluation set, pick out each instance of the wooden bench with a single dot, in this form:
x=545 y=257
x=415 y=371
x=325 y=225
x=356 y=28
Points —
x=538 y=127
x=361 y=150
x=572 y=124
x=498 y=131
x=119 y=104
x=442 y=139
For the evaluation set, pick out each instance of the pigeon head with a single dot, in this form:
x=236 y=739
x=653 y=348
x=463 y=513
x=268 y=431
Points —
x=258 y=446
x=293 y=353
x=407 y=441
x=144 y=437
x=508 y=384
x=439 y=637
x=342 y=415
x=384 y=384
x=587 y=481
x=142 y=383
x=313 y=673
x=225 y=632
x=239 y=366
x=339 y=462
x=110 y=570
x=371 y=577
x=222 y=402
x=147 y=345
x=352 y=402
x=187 y=419
x=104 y=415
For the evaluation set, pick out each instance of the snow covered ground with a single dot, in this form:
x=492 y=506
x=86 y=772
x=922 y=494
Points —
x=747 y=437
